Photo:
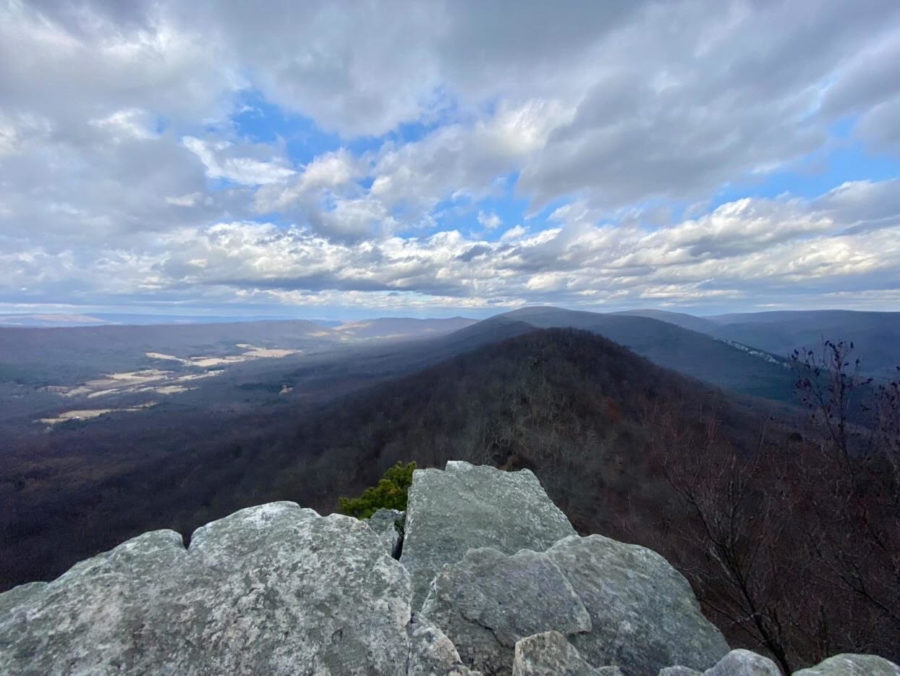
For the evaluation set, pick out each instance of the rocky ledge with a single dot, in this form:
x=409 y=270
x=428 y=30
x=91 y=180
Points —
x=491 y=578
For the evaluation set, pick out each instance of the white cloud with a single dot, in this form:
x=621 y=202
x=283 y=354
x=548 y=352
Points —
x=244 y=170
x=189 y=200
x=117 y=115
x=127 y=123
x=489 y=220
x=331 y=173
x=864 y=205
x=513 y=233
x=463 y=160
x=84 y=61
x=744 y=252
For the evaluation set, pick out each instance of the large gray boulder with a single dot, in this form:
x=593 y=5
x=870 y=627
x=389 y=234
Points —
x=490 y=600
x=644 y=614
x=550 y=654
x=736 y=663
x=618 y=604
x=852 y=665
x=465 y=507
x=272 y=589
x=743 y=663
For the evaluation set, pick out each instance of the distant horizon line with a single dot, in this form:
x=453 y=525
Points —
x=82 y=319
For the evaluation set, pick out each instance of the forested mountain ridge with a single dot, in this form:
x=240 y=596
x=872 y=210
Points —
x=875 y=335
x=685 y=350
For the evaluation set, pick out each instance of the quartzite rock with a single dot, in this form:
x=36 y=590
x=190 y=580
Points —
x=387 y=524
x=736 y=663
x=550 y=654
x=271 y=589
x=641 y=613
x=852 y=665
x=490 y=600
x=644 y=614
x=743 y=663
x=465 y=507
x=431 y=652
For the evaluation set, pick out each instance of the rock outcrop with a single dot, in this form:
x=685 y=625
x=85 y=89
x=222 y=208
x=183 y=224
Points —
x=272 y=589
x=744 y=663
x=278 y=589
x=735 y=663
x=852 y=665
x=490 y=600
x=644 y=614
x=431 y=652
x=467 y=506
x=617 y=604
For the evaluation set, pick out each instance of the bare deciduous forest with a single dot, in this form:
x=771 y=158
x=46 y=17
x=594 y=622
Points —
x=785 y=524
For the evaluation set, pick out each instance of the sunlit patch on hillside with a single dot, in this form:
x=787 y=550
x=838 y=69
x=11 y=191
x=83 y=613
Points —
x=88 y=414
x=166 y=382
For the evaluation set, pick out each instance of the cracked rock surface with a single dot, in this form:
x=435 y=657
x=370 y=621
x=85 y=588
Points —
x=617 y=604
x=431 y=652
x=271 y=589
x=644 y=615
x=550 y=653
x=490 y=600
x=465 y=507
x=388 y=525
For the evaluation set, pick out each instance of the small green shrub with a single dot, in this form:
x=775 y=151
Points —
x=389 y=493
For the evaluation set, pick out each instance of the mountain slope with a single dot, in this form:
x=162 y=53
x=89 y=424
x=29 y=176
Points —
x=685 y=321
x=688 y=352
x=70 y=354
x=393 y=328
x=876 y=335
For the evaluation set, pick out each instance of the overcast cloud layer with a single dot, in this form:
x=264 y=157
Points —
x=443 y=157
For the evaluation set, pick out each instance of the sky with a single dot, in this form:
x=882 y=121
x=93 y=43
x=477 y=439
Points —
x=438 y=158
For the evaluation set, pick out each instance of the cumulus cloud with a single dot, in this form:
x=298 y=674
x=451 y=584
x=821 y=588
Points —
x=84 y=59
x=748 y=250
x=864 y=205
x=124 y=174
x=329 y=172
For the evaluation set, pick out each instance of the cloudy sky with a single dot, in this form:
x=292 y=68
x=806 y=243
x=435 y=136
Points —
x=435 y=158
